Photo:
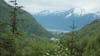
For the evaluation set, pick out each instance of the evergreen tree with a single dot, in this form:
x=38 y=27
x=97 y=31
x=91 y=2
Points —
x=72 y=42
x=14 y=11
x=10 y=41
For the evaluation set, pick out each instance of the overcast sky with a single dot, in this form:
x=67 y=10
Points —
x=34 y=6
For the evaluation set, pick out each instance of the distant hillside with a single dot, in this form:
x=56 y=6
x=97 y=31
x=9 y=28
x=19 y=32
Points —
x=90 y=31
x=26 y=22
x=62 y=20
x=88 y=39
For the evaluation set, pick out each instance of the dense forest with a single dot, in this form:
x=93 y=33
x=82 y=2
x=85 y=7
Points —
x=31 y=39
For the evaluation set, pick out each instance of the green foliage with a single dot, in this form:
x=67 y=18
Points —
x=38 y=47
x=93 y=47
x=22 y=45
x=31 y=39
x=25 y=21
x=86 y=37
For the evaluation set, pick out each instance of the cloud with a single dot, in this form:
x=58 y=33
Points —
x=34 y=6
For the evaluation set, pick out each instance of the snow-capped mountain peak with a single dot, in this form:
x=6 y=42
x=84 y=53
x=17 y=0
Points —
x=79 y=11
x=74 y=11
x=62 y=20
x=66 y=13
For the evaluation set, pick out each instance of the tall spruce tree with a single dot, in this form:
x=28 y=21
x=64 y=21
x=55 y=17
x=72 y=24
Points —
x=11 y=44
x=73 y=40
x=14 y=12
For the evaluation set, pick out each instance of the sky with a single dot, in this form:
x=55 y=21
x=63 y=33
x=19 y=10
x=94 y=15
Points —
x=35 y=6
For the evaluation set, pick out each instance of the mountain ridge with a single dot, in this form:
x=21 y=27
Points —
x=25 y=21
x=72 y=10
x=62 y=20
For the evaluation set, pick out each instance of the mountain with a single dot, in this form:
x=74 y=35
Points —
x=62 y=20
x=87 y=39
x=25 y=21
x=90 y=31
x=90 y=38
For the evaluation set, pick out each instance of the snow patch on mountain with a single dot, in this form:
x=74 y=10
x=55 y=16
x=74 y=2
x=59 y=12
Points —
x=68 y=15
x=73 y=11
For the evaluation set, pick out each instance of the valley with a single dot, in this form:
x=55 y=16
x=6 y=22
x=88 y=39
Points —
x=65 y=33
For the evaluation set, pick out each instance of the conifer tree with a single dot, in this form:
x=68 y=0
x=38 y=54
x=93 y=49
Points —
x=14 y=12
x=11 y=45
x=73 y=40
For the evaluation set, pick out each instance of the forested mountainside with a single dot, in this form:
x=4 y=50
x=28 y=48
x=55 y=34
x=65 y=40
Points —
x=29 y=39
x=87 y=39
x=90 y=31
x=91 y=39
x=25 y=21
